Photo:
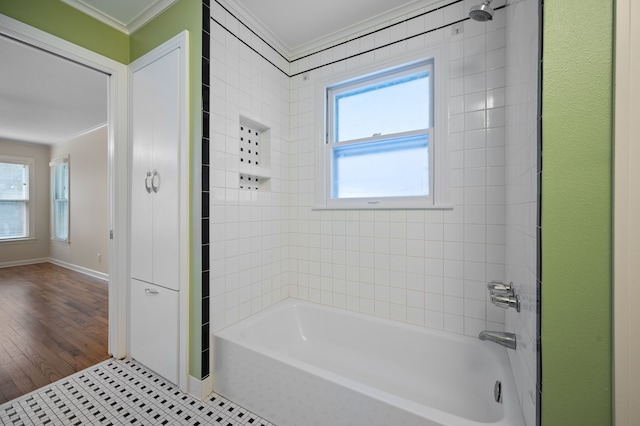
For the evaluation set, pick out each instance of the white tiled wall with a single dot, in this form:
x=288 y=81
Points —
x=521 y=192
x=424 y=267
x=249 y=228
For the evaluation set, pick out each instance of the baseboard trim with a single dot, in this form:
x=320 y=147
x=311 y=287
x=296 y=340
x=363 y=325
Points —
x=95 y=274
x=200 y=388
x=23 y=262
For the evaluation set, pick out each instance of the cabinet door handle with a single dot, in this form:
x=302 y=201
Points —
x=155 y=186
x=150 y=291
x=147 y=186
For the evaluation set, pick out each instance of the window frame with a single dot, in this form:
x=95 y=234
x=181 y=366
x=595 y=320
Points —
x=437 y=57
x=28 y=202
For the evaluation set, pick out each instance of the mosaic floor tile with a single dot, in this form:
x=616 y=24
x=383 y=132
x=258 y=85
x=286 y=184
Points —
x=117 y=392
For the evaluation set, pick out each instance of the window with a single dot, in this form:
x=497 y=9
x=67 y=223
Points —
x=379 y=146
x=60 y=198
x=14 y=197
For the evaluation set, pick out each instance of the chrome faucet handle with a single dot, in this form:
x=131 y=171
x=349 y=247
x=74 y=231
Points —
x=506 y=301
x=500 y=288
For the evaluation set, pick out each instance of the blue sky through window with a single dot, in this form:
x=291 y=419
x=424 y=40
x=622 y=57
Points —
x=392 y=106
x=397 y=167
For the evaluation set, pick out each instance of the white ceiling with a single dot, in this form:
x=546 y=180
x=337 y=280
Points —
x=297 y=23
x=47 y=99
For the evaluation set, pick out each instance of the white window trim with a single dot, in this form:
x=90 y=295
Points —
x=439 y=152
x=30 y=163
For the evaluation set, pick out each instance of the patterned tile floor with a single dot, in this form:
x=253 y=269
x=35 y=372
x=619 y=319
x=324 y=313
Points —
x=121 y=393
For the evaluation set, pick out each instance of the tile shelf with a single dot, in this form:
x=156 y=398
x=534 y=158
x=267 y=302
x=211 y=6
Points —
x=253 y=156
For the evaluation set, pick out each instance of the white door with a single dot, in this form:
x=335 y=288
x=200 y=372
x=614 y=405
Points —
x=165 y=173
x=154 y=339
x=141 y=166
x=155 y=171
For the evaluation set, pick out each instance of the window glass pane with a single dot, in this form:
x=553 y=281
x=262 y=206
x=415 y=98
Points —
x=61 y=201
x=391 y=106
x=391 y=168
x=60 y=179
x=13 y=181
x=61 y=219
x=13 y=219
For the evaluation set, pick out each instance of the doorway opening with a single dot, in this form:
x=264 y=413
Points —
x=115 y=231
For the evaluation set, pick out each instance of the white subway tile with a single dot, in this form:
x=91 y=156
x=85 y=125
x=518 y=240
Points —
x=473 y=327
x=474 y=64
x=474 y=101
x=473 y=159
x=415 y=316
x=434 y=319
x=453 y=305
x=454 y=323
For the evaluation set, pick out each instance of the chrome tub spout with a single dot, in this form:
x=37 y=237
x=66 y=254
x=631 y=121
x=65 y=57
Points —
x=508 y=340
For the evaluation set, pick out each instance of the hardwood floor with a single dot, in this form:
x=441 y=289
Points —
x=53 y=323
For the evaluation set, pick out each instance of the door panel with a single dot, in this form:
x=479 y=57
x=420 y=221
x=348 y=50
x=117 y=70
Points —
x=166 y=179
x=141 y=206
x=154 y=339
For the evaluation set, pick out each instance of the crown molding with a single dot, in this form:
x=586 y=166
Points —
x=134 y=23
x=412 y=8
x=156 y=9
x=256 y=25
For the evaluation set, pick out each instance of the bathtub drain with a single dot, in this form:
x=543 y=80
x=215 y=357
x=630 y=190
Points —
x=497 y=392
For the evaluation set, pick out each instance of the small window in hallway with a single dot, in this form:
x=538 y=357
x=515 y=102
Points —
x=60 y=199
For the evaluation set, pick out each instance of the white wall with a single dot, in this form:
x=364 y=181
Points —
x=36 y=249
x=88 y=203
x=248 y=229
x=424 y=267
x=522 y=193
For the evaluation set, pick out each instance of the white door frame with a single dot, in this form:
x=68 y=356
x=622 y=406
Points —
x=117 y=164
x=627 y=216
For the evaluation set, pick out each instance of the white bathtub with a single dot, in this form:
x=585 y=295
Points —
x=304 y=364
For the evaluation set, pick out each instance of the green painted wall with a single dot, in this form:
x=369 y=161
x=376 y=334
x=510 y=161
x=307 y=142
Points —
x=577 y=92
x=61 y=20
x=186 y=14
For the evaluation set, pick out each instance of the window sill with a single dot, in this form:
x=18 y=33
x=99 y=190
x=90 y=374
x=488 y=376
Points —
x=9 y=241
x=384 y=207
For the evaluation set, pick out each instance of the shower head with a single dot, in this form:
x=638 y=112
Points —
x=481 y=13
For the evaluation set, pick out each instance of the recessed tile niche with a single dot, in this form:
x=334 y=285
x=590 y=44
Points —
x=254 y=163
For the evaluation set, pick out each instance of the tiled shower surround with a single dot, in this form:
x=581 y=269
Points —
x=424 y=267
x=522 y=208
